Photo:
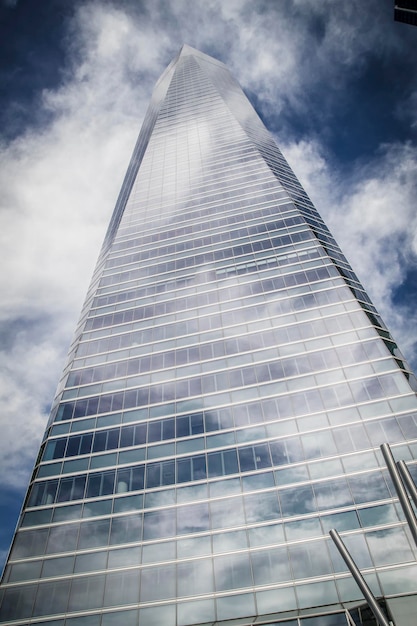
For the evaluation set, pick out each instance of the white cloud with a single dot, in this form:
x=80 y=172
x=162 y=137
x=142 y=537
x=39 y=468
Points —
x=60 y=183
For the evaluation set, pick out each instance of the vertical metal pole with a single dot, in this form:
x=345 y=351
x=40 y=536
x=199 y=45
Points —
x=360 y=581
x=400 y=489
x=408 y=480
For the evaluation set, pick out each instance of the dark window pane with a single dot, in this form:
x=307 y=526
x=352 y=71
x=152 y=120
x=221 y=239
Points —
x=51 y=598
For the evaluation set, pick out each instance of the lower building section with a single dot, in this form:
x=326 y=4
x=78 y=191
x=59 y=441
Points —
x=399 y=611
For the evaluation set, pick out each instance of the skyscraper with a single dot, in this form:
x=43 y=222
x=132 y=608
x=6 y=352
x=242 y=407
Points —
x=406 y=11
x=223 y=403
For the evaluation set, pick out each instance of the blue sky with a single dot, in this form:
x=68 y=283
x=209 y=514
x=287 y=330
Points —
x=335 y=81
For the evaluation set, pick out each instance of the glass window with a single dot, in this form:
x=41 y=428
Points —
x=261 y=507
x=128 y=618
x=130 y=479
x=232 y=572
x=230 y=607
x=301 y=529
x=17 y=602
x=368 y=487
x=55 y=449
x=154 y=552
x=43 y=493
x=270 y=566
x=100 y=484
x=226 y=513
x=230 y=541
x=121 y=588
x=357 y=547
x=191 y=612
x=192 y=518
x=71 y=488
x=195 y=577
x=124 y=557
x=158 y=583
x=157 y=615
x=99 y=508
x=277 y=600
x=69 y=512
x=286 y=451
x=389 y=546
x=24 y=571
x=51 y=597
x=378 y=515
x=265 y=535
x=310 y=559
x=126 y=529
x=316 y=594
x=347 y=520
x=128 y=503
x=90 y=562
x=297 y=501
x=332 y=493
x=94 y=534
x=86 y=593
x=159 y=524
x=62 y=538
x=158 y=474
x=58 y=567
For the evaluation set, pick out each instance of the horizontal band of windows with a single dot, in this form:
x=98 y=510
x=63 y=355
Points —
x=186 y=280
x=212 y=241
x=309 y=446
x=295 y=500
x=244 y=459
x=106 y=349
x=269 y=410
x=228 y=164
x=212 y=224
x=257 y=298
x=294 y=346
x=140 y=222
x=186 y=297
x=199 y=219
x=247 y=362
x=298 y=309
x=263 y=285
x=300 y=503
x=174 y=286
x=243 y=367
x=221 y=257
x=295 y=475
x=307 y=527
x=239 y=175
x=118 y=588
x=295 y=402
x=123 y=363
x=218 y=251
x=184 y=309
x=208 y=206
x=206 y=293
x=206 y=195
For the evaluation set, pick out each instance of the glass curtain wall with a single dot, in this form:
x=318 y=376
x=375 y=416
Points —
x=224 y=400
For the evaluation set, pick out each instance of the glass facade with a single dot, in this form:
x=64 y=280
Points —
x=224 y=399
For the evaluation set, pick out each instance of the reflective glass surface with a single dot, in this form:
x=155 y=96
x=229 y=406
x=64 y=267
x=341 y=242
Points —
x=223 y=402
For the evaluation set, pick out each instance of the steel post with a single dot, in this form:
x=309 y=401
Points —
x=400 y=489
x=360 y=581
x=408 y=480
